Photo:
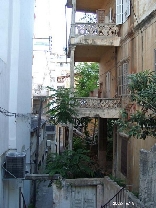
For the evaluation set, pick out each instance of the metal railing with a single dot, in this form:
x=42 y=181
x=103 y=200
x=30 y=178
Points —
x=118 y=200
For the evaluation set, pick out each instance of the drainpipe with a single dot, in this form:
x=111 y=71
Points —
x=20 y=197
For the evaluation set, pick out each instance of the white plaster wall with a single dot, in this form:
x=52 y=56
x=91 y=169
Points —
x=4 y=15
x=4 y=74
x=16 y=32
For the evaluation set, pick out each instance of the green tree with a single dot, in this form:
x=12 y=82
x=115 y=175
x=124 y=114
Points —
x=87 y=78
x=62 y=106
x=142 y=123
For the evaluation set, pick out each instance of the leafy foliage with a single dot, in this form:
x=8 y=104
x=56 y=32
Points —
x=70 y=164
x=87 y=78
x=62 y=106
x=119 y=181
x=78 y=143
x=142 y=123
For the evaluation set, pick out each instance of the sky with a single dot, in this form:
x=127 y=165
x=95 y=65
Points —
x=51 y=20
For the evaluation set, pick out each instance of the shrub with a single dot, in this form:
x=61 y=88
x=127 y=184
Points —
x=70 y=164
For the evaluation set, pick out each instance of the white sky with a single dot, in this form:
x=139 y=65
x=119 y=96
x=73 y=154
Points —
x=51 y=20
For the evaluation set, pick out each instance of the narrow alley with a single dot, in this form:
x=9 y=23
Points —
x=44 y=195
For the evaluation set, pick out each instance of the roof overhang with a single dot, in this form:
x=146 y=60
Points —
x=89 y=5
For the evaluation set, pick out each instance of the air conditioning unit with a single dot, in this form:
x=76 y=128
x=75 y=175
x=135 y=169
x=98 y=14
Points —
x=48 y=143
x=15 y=165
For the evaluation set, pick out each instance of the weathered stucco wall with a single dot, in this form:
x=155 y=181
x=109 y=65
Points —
x=111 y=188
x=138 y=49
x=143 y=8
x=108 y=64
x=133 y=156
x=91 y=193
x=148 y=176
x=78 y=193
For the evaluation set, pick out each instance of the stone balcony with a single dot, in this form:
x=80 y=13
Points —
x=92 y=40
x=99 y=34
x=98 y=107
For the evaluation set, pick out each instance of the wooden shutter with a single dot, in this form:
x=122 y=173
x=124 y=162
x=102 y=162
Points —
x=119 y=12
x=126 y=9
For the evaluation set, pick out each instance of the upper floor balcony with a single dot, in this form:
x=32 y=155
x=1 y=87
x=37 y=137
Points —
x=92 y=36
x=98 y=107
x=97 y=34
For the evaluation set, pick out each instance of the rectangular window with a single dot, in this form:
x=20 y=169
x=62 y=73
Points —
x=122 y=11
x=122 y=79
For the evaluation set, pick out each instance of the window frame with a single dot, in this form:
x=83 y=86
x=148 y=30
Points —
x=122 y=11
x=122 y=75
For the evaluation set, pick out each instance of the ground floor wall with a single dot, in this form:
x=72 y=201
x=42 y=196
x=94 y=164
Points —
x=128 y=159
x=92 y=193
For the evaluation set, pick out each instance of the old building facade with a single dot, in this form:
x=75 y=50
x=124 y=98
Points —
x=122 y=40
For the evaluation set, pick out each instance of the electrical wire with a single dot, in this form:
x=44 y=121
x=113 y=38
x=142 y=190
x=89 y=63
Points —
x=7 y=170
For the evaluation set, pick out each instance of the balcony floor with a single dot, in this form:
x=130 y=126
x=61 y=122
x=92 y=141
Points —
x=84 y=53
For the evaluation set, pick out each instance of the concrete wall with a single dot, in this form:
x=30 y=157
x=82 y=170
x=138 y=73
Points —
x=147 y=176
x=78 y=193
x=133 y=156
x=143 y=8
x=92 y=193
x=108 y=64
x=111 y=188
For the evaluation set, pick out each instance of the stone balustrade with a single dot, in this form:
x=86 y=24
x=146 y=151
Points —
x=98 y=107
x=102 y=103
x=95 y=29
